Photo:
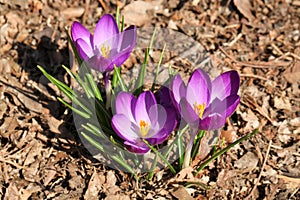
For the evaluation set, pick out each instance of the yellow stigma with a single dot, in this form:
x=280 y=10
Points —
x=105 y=51
x=199 y=109
x=144 y=128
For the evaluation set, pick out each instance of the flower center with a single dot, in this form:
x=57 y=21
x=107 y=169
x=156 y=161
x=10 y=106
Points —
x=199 y=109
x=105 y=50
x=144 y=127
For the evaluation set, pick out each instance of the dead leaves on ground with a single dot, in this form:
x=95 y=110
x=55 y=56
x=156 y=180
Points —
x=39 y=157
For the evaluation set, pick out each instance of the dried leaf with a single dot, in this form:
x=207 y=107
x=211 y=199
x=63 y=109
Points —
x=282 y=103
x=94 y=187
x=247 y=162
x=136 y=12
x=244 y=6
x=292 y=74
x=70 y=13
x=181 y=193
x=3 y=108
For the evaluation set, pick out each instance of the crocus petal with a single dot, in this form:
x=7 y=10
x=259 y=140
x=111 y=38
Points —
x=165 y=128
x=155 y=116
x=171 y=120
x=187 y=112
x=178 y=90
x=158 y=117
x=225 y=85
x=124 y=128
x=106 y=29
x=98 y=63
x=125 y=104
x=143 y=104
x=163 y=96
x=231 y=103
x=128 y=39
x=118 y=60
x=225 y=107
x=84 y=49
x=78 y=31
x=198 y=88
x=139 y=147
x=159 y=137
x=212 y=122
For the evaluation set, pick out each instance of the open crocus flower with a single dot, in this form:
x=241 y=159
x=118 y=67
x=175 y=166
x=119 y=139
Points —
x=141 y=118
x=107 y=47
x=204 y=103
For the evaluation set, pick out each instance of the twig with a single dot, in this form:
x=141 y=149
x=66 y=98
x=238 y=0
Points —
x=254 y=76
x=261 y=171
x=103 y=5
x=234 y=40
x=12 y=163
x=86 y=11
x=261 y=65
x=294 y=193
x=289 y=179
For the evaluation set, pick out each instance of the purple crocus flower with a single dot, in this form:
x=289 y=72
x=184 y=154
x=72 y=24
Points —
x=206 y=104
x=142 y=118
x=107 y=47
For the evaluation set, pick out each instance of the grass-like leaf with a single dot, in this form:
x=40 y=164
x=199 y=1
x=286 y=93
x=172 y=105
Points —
x=114 y=157
x=61 y=86
x=161 y=156
x=158 y=67
x=77 y=56
x=94 y=86
x=197 y=142
x=222 y=151
x=142 y=73
x=115 y=78
x=120 y=79
x=79 y=112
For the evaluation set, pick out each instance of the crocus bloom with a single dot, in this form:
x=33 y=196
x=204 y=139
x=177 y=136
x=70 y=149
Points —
x=141 y=118
x=107 y=47
x=204 y=103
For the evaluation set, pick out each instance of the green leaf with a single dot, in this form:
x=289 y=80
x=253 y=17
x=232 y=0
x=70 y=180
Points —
x=161 y=156
x=158 y=67
x=79 y=112
x=61 y=86
x=118 y=17
x=114 y=157
x=94 y=87
x=123 y=23
x=197 y=142
x=121 y=81
x=177 y=141
x=153 y=166
x=115 y=78
x=77 y=56
x=222 y=151
x=142 y=73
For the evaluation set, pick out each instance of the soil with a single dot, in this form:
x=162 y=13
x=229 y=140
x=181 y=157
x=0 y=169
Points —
x=41 y=155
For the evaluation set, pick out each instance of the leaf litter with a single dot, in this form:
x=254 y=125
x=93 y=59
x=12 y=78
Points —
x=41 y=156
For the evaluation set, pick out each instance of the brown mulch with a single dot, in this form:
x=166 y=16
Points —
x=41 y=156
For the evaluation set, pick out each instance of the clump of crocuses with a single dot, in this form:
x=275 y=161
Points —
x=140 y=121
x=107 y=46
